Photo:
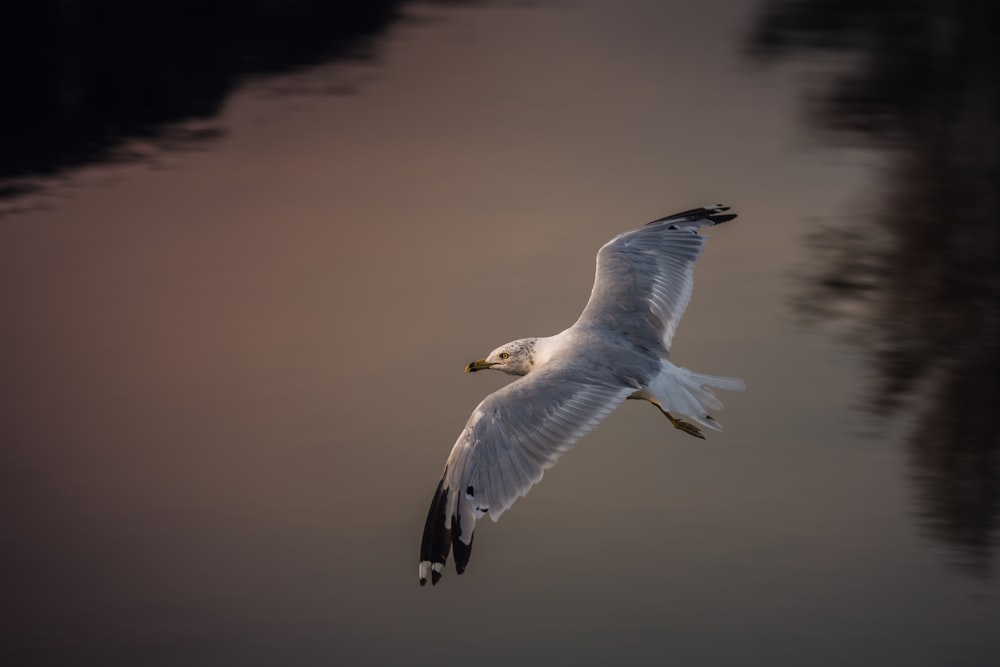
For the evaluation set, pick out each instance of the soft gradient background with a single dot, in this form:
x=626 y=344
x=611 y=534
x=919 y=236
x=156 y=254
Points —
x=232 y=341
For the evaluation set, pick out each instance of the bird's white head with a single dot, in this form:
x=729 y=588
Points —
x=516 y=357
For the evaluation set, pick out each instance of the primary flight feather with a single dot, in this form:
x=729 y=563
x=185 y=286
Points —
x=618 y=349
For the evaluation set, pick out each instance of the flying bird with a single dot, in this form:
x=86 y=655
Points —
x=618 y=349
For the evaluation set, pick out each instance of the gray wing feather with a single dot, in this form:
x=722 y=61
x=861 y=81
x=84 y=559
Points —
x=645 y=278
x=522 y=429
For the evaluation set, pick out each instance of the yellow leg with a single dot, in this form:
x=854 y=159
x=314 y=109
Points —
x=682 y=425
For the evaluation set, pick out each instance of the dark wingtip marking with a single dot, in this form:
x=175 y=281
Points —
x=442 y=534
x=713 y=213
x=462 y=554
x=436 y=542
x=462 y=550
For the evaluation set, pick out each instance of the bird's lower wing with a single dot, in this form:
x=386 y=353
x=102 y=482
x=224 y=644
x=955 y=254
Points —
x=510 y=439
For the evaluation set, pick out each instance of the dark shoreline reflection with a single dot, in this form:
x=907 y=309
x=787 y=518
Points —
x=920 y=271
x=83 y=78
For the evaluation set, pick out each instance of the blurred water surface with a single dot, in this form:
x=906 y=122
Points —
x=919 y=265
x=231 y=376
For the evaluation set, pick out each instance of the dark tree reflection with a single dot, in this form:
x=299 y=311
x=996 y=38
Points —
x=921 y=269
x=82 y=78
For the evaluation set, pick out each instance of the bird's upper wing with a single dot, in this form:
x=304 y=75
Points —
x=645 y=276
x=510 y=439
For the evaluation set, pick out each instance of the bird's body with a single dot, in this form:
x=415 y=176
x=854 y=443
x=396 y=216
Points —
x=617 y=349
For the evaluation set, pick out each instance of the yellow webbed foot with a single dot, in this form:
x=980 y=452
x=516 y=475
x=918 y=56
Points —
x=685 y=426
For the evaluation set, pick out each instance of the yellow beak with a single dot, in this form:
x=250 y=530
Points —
x=478 y=365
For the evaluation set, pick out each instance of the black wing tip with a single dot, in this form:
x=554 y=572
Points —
x=461 y=550
x=712 y=212
x=442 y=536
x=433 y=570
x=436 y=542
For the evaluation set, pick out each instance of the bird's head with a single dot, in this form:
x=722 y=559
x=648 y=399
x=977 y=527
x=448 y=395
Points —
x=516 y=357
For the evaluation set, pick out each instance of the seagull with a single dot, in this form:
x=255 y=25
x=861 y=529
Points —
x=568 y=383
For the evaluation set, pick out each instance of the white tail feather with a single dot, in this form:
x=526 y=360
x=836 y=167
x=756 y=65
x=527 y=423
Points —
x=690 y=394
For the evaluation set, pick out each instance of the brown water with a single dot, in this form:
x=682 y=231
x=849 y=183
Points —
x=230 y=384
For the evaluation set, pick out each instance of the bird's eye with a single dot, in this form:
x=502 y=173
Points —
x=504 y=355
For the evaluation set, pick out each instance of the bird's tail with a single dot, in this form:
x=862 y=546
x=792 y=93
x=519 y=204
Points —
x=689 y=393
